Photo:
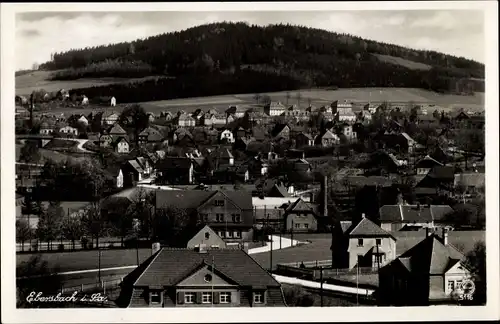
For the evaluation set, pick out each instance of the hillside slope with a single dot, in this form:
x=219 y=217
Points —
x=307 y=57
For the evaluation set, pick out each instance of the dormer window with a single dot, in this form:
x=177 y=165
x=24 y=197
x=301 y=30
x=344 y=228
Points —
x=258 y=298
x=155 y=298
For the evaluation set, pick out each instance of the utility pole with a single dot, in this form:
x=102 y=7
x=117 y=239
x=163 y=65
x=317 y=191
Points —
x=357 y=284
x=271 y=260
x=321 y=281
x=291 y=236
x=378 y=259
x=99 y=256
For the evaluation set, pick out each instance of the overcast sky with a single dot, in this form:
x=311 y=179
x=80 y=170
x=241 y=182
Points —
x=459 y=33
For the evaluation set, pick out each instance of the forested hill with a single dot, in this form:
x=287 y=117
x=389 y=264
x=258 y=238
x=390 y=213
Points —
x=310 y=57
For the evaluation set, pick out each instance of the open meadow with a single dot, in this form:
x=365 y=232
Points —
x=26 y=83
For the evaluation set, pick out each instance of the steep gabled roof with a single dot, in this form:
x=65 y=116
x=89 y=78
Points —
x=299 y=205
x=117 y=130
x=367 y=228
x=137 y=167
x=169 y=266
x=174 y=163
x=191 y=199
x=431 y=256
x=428 y=162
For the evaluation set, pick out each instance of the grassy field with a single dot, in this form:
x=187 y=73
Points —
x=26 y=83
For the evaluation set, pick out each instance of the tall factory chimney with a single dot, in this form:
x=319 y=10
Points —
x=325 y=195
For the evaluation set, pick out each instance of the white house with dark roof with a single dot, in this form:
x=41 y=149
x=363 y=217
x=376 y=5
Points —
x=370 y=246
x=208 y=237
x=275 y=109
x=227 y=136
x=110 y=118
x=327 y=139
x=69 y=130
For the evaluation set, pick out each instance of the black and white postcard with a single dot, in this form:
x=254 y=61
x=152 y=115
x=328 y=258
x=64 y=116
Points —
x=204 y=162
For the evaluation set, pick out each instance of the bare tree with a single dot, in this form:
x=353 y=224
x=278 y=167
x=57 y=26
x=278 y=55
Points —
x=23 y=232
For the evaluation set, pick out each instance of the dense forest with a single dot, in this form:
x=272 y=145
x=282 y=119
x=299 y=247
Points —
x=304 y=56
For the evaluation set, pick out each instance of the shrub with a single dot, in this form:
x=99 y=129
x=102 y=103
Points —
x=60 y=247
x=90 y=245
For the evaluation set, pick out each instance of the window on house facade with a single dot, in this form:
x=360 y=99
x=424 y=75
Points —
x=225 y=298
x=206 y=298
x=189 y=298
x=207 y=235
x=229 y=234
x=219 y=217
x=297 y=225
x=451 y=285
x=378 y=241
x=236 y=218
x=237 y=234
x=258 y=298
x=219 y=202
x=306 y=226
x=204 y=217
x=155 y=297
x=360 y=242
x=221 y=234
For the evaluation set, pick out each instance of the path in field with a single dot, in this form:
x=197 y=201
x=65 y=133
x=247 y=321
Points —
x=276 y=244
x=82 y=142
x=317 y=285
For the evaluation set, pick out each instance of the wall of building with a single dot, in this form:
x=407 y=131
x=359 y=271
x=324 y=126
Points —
x=387 y=245
x=309 y=219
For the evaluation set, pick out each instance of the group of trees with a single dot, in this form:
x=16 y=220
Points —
x=291 y=56
x=185 y=86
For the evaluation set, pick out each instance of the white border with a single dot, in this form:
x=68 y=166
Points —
x=347 y=314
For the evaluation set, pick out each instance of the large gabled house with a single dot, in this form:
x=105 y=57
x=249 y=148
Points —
x=281 y=132
x=200 y=278
x=132 y=173
x=175 y=170
x=121 y=145
x=229 y=213
x=150 y=135
x=303 y=139
x=327 y=139
x=431 y=272
x=109 y=119
x=369 y=246
x=426 y=164
x=274 y=109
x=301 y=216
